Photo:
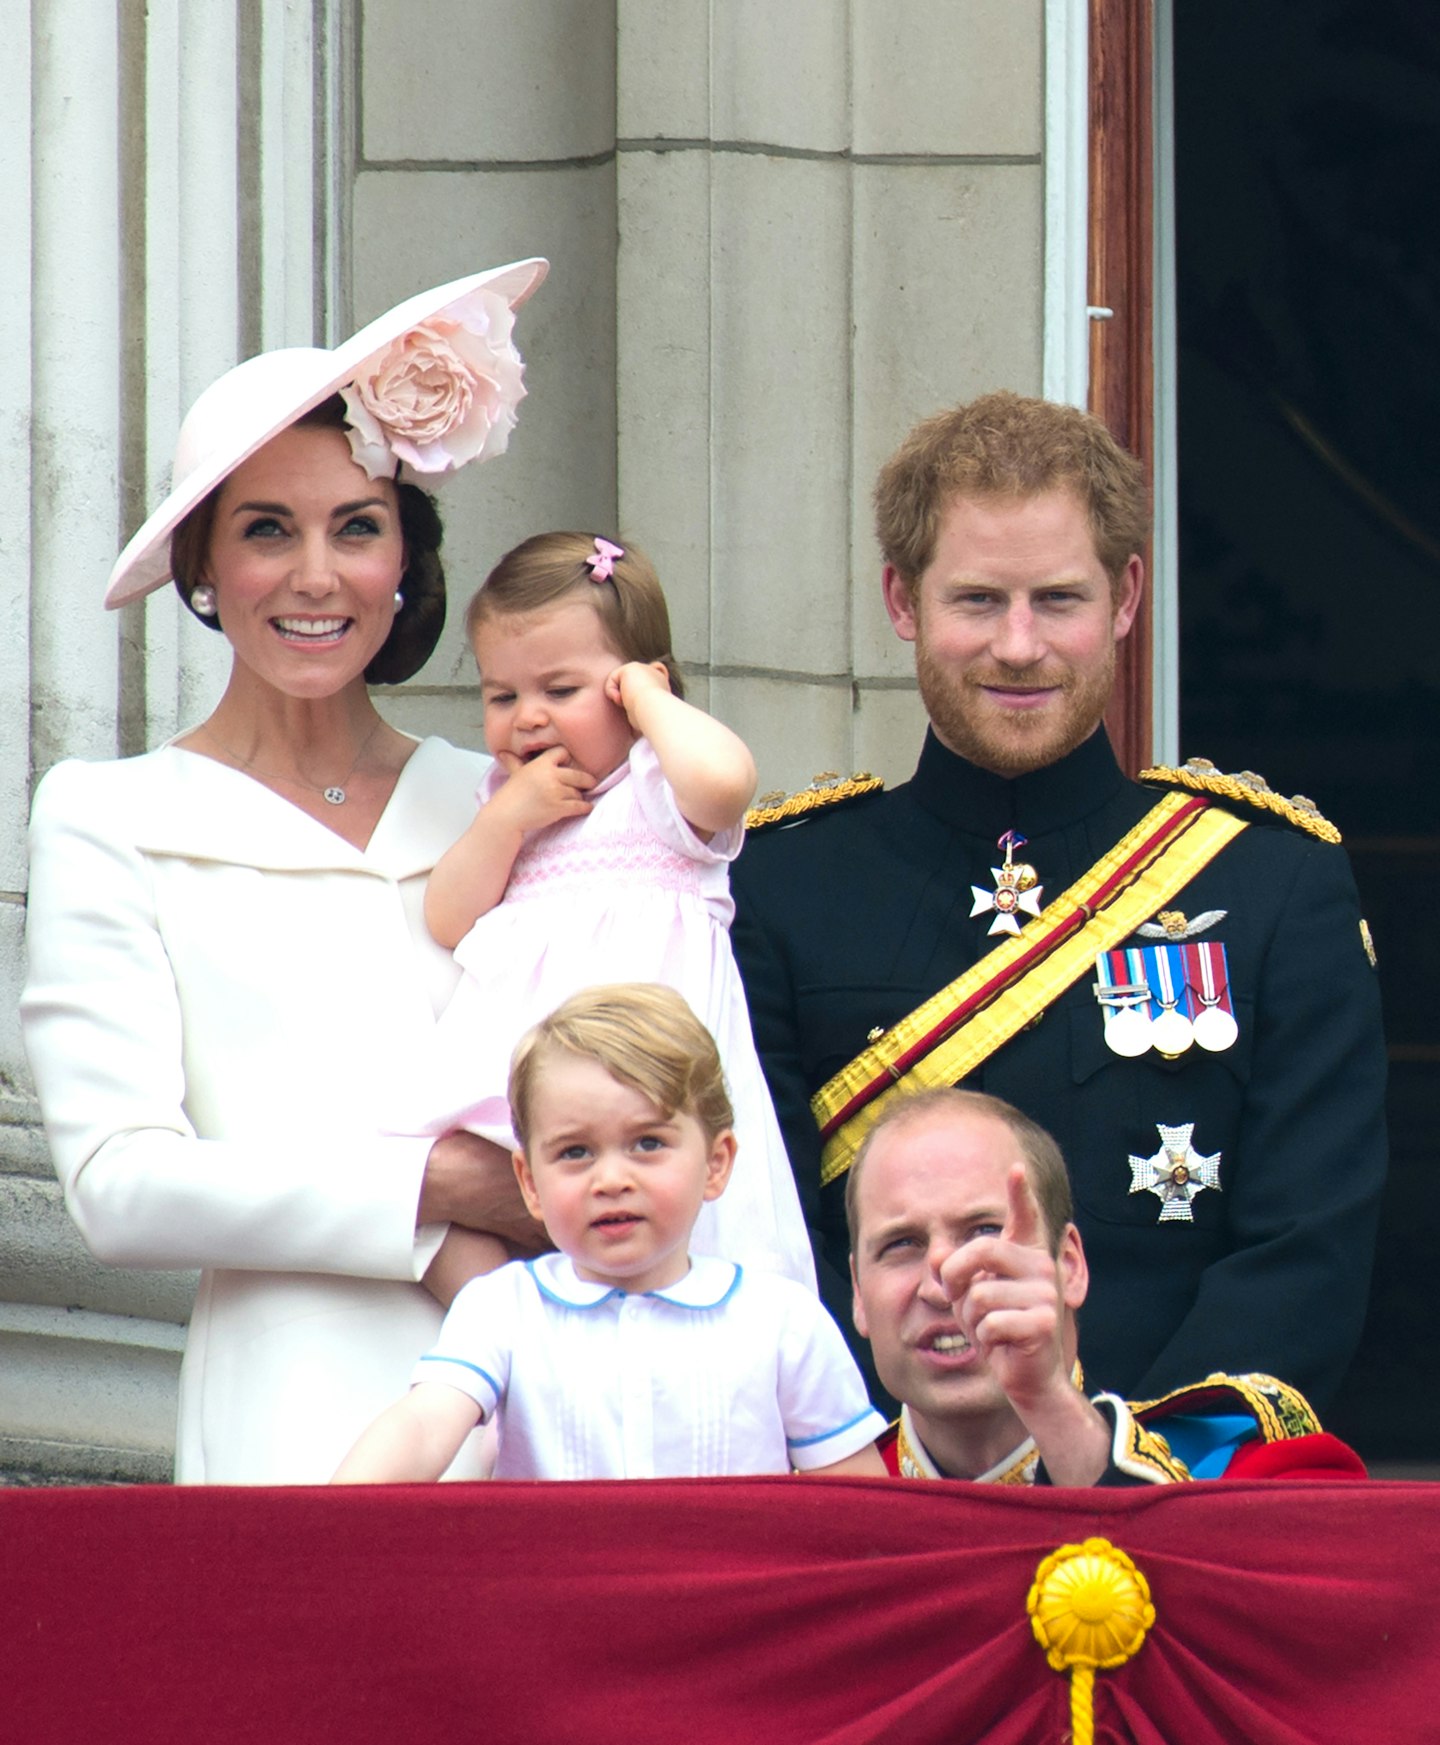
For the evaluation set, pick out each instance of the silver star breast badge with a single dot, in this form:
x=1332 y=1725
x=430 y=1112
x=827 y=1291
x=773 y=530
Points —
x=1175 y=1174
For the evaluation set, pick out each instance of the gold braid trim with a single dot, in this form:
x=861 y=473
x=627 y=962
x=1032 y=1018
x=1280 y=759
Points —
x=1280 y=1411
x=1145 y=1454
x=1200 y=776
x=1017 y=1467
x=827 y=789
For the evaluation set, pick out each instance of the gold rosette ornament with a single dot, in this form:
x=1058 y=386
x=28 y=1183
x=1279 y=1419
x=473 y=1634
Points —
x=1089 y=1608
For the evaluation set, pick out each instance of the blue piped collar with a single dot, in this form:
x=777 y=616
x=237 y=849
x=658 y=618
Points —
x=709 y=1283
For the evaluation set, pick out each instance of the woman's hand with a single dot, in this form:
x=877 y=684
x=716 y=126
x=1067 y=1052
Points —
x=471 y=1181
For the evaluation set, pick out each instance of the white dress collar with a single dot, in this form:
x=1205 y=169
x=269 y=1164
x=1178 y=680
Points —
x=199 y=809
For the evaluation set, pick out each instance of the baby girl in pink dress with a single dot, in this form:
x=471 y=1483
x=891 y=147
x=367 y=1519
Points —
x=599 y=854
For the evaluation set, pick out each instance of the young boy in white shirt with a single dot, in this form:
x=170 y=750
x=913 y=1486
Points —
x=622 y=1355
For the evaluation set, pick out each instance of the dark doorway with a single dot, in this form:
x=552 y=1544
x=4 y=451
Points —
x=1307 y=152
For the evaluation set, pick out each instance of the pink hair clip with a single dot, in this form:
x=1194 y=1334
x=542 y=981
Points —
x=601 y=562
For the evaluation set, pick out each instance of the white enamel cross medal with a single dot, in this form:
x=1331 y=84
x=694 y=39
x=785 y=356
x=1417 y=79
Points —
x=1017 y=891
x=1175 y=1174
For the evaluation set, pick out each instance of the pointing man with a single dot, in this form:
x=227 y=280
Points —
x=968 y=1275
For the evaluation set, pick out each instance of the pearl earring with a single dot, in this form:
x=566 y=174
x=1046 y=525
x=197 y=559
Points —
x=202 y=600
x=399 y=600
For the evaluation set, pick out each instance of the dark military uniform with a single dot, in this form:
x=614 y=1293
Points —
x=850 y=919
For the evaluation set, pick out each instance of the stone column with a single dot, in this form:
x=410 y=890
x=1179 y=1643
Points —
x=165 y=173
x=830 y=224
x=489 y=136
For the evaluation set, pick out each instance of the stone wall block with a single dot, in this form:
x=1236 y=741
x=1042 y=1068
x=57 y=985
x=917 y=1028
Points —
x=43 y=1260
x=663 y=69
x=663 y=379
x=559 y=470
x=452 y=711
x=948 y=268
x=780 y=347
x=15 y=1087
x=780 y=75
x=794 y=728
x=75 y=406
x=195 y=320
x=955 y=77
x=91 y=1404
x=888 y=729
x=17 y=316
x=465 y=81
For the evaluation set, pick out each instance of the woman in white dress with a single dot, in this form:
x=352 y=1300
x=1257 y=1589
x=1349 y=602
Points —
x=229 y=966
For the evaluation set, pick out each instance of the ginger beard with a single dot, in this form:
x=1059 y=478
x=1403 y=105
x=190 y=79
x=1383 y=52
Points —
x=1012 y=742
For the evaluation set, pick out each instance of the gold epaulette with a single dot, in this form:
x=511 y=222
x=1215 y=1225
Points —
x=827 y=789
x=1280 y=1411
x=1200 y=776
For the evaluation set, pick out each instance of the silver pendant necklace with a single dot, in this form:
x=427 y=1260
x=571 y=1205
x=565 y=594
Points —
x=334 y=795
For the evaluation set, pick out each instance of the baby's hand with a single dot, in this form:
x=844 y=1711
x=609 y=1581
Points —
x=542 y=791
x=633 y=680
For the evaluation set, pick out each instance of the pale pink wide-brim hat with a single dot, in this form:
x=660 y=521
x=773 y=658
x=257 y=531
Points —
x=255 y=401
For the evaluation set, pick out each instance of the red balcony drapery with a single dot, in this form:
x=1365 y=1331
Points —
x=819 y=1612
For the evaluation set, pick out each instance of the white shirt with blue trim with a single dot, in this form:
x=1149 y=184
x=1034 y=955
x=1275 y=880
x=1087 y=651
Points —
x=726 y=1372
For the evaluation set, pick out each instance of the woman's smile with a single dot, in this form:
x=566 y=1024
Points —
x=312 y=629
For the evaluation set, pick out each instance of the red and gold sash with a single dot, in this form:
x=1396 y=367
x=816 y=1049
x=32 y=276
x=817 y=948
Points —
x=943 y=1040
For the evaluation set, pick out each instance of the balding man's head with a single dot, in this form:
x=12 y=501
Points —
x=1045 y=1167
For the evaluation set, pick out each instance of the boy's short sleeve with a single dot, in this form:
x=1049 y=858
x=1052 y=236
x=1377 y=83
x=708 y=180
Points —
x=826 y=1412
x=475 y=1347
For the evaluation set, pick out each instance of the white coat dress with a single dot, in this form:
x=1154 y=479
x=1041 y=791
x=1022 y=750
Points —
x=222 y=996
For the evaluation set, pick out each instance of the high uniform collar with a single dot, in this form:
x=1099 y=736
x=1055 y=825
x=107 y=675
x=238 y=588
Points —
x=959 y=792
x=916 y=1460
x=1019 y=1466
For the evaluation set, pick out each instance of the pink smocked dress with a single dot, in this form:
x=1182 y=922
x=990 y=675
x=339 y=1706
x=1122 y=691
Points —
x=627 y=893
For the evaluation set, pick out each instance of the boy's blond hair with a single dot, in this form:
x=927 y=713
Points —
x=644 y=1035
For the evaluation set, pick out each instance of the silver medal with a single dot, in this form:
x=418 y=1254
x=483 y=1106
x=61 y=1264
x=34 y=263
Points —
x=1127 y=1031
x=1175 y=1173
x=1215 y=1025
x=1171 y=1033
x=1215 y=1028
x=1126 y=1005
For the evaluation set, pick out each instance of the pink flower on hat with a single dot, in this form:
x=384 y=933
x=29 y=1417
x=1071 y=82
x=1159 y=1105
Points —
x=440 y=395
